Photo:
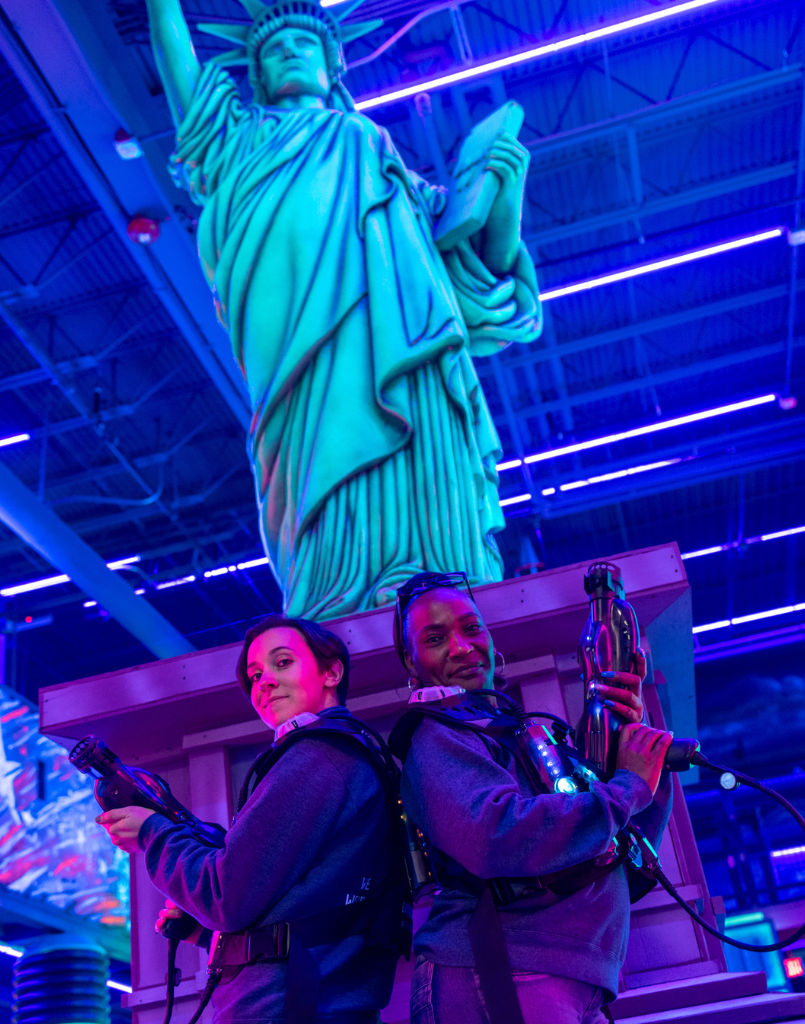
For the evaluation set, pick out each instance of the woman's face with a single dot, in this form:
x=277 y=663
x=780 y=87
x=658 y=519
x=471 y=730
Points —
x=447 y=642
x=293 y=64
x=285 y=677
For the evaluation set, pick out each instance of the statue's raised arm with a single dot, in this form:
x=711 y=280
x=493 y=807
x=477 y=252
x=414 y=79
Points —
x=175 y=57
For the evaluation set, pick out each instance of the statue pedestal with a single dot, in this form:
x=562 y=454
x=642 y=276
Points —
x=188 y=719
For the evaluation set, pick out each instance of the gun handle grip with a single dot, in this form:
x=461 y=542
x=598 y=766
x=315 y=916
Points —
x=180 y=928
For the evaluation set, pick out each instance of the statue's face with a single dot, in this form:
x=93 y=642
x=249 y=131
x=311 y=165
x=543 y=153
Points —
x=292 y=64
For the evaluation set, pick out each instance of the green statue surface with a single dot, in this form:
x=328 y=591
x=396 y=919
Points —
x=372 y=445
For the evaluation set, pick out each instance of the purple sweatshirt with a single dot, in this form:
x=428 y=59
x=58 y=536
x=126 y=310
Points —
x=471 y=798
x=313 y=835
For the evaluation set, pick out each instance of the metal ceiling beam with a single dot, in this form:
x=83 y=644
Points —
x=42 y=530
x=687 y=197
x=27 y=341
x=784 y=435
x=211 y=353
x=696 y=369
x=73 y=213
x=686 y=474
x=24 y=134
x=649 y=326
x=676 y=108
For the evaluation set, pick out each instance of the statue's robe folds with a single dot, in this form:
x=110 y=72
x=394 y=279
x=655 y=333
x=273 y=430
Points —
x=372 y=445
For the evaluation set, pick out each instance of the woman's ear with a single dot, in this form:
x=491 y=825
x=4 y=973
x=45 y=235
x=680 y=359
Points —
x=333 y=674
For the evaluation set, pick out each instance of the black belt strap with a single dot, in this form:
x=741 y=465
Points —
x=492 y=962
x=240 y=948
x=302 y=985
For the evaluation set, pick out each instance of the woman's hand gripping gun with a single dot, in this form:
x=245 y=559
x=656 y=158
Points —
x=119 y=785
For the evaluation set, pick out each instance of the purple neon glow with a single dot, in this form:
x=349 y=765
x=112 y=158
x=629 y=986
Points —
x=617 y=475
x=793 y=531
x=167 y=584
x=662 y=264
x=739 y=620
x=603 y=478
x=649 y=428
x=14 y=439
x=526 y=56
x=746 y=644
x=222 y=570
x=55 y=581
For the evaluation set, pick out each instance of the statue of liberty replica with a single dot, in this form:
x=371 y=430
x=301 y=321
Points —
x=372 y=445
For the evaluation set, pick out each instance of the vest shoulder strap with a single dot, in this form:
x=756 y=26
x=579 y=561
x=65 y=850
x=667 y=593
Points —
x=491 y=722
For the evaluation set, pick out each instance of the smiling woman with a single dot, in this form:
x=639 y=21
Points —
x=290 y=666
x=308 y=887
x=554 y=950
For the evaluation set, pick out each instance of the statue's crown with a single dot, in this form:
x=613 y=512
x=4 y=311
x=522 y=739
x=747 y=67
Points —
x=270 y=18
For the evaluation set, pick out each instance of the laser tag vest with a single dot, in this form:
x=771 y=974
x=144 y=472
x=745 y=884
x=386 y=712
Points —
x=385 y=918
x=455 y=708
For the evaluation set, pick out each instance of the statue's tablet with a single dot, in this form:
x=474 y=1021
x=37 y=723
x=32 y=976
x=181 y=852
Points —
x=472 y=190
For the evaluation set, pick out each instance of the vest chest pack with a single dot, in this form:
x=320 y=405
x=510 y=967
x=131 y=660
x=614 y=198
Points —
x=456 y=708
x=384 y=919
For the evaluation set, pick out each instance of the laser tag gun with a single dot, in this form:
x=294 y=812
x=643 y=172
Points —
x=119 y=785
x=609 y=643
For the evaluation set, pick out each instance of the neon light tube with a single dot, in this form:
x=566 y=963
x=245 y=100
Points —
x=791 y=851
x=736 y=922
x=754 y=617
x=649 y=428
x=14 y=439
x=528 y=55
x=663 y=264
x=10 y=950
x=175 y=583
x=768 y=614
x=605 y=477
x=121 y=563
x=778 y=534
x=119 y=986
x=711 y=625
x=222 y=570
x=54 y=581
x=24 y=588
x=254 y=561
x=747 y=540
x=705 y=551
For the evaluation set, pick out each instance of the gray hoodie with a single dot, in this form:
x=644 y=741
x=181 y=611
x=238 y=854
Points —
x=312 y=835
x=473 y=801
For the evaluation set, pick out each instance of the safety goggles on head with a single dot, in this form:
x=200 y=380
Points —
x=413 y=588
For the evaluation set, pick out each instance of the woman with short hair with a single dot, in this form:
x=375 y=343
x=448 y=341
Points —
x=532 y=919
x=308 y=855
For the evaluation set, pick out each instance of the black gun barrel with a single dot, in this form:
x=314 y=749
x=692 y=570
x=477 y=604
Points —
x=91 y=755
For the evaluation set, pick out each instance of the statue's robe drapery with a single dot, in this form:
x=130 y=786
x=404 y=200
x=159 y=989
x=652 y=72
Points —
x=372 y=445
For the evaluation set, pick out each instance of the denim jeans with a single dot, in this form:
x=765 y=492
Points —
x=452 y=995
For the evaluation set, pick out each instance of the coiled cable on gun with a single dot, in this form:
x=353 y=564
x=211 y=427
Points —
x=656 y=870
x=206 y=995
x=747 y=780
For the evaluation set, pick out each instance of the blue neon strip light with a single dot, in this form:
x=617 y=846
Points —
x=14 y=439
x=661 y=264
x=649 y=428
x=526 y=56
